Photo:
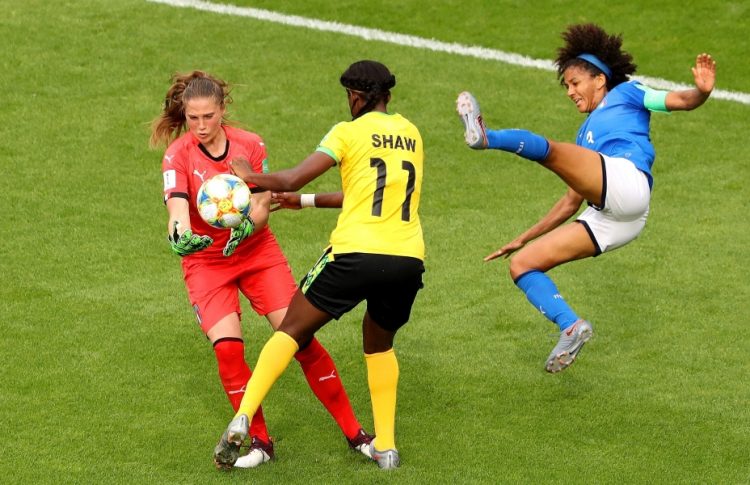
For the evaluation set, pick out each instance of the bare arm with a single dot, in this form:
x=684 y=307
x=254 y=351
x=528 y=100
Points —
x=181 y=237
x=261 y=205
x=292 y=200
x=178 y=211
x=704 y=74
x=563 y=209
x=331 y=200
x=289 y=180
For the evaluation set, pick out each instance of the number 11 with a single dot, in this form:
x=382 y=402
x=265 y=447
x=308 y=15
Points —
x=377 y=197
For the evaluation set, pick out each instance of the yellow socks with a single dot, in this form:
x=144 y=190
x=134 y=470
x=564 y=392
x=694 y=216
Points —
x=273 y=360
x=382 y=377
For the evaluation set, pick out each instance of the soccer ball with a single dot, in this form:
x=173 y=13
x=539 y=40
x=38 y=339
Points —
x=223 y=201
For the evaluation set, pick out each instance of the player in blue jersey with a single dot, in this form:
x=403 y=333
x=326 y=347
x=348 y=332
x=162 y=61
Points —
x=609 y=168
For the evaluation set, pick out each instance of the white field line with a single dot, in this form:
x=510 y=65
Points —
x=417 y=42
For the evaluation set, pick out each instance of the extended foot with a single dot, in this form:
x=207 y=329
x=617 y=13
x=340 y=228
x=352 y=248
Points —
x=475 y=133
x=259 y=453
x=387 y=460
x=567 y=348
x=227 y=451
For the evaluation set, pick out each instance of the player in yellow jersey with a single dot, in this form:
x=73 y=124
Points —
x=376 y=252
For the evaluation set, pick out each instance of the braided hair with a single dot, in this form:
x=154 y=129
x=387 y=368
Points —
x=372 y=79
x=582 y=39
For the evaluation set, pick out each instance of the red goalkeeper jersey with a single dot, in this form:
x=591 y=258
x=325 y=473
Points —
x=186 y=165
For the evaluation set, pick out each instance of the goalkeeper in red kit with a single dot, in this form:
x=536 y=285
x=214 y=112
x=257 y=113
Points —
x=218 y=264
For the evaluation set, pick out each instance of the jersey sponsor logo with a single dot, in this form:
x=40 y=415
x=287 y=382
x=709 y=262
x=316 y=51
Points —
x=396 y=142
x=200 y=174
x=170 y=179
x=169 y=158
x=590 y=137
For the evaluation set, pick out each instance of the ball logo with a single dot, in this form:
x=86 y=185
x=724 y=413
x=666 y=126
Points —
x=225 y=205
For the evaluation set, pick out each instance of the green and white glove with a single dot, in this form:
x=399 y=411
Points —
x=239 y=234
x=187 y=242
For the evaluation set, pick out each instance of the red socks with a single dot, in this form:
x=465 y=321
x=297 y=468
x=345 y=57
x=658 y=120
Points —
x=324 y=381
x=234 y=373
x=319 y=369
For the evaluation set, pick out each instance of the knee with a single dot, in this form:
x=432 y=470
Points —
x=377 y=346
x=515 y=268
x=375 y=339
x=518 y=266
x=230 y=356
x=302 y=336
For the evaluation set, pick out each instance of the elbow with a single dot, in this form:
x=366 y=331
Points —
x=289 y=182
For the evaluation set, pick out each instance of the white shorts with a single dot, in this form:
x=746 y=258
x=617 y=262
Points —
x=626 y=194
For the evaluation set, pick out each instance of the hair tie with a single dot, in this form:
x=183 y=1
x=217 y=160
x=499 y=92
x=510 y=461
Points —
x=592 y=59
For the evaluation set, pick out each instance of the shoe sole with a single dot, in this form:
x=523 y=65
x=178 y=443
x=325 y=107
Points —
x=226 y=458
x=563 y=360
x=471 y=116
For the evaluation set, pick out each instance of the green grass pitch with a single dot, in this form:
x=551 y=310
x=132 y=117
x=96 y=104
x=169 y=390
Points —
x=106 y=378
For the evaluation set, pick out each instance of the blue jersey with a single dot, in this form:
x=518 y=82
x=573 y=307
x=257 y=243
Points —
x=619 y=127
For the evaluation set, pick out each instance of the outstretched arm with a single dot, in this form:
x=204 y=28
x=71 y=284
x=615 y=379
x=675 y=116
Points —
x=293 y=200
x=704 y=74
x=289 y=180
x=560 y=212
x=179 y=212
x=179 y=233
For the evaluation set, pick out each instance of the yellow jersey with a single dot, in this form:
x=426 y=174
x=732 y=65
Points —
x=380 y=158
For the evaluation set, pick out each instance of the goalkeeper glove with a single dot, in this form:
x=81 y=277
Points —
x=187 y=242
x=239 y=234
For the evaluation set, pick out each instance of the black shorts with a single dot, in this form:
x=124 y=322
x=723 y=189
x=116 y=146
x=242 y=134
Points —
x=389 y=284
